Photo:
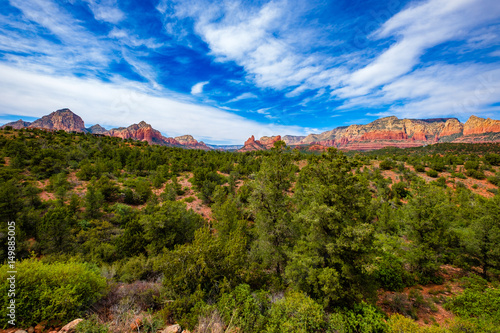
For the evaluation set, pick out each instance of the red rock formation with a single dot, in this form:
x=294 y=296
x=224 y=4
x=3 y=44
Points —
x=325 y=143
x=451 y=127
x=143 y=132
x=388 y=131
x=384 y=135
x=63 y=119
x=291 y=140
x=268 y=141
x=251 y=144
x=419 y=137
x=265 y=142
x=317 y=147
x=189 y=142
x=476 y=125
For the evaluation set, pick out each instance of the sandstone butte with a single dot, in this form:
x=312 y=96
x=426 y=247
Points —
x=264 y=143
x=189 y=141
x=68 y=121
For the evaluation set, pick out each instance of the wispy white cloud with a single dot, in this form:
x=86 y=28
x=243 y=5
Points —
x=495 y=54
x=130 y=39
x=106 y=10
x=439 y=90
x=418 y=28
x=262 y=39
x=76 y=49
x=122 y=103
x=243 y=96
x=198 y=88
x=275 y=50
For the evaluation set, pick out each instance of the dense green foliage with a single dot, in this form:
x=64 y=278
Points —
x=58 y=291
x=276 y=241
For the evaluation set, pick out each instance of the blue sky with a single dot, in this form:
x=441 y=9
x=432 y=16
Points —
x=224 y=70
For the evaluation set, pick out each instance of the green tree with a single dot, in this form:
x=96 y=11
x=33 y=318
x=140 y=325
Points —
x=172 y=224
x=143 y=190
x=296 y=313
x=54 y=233
x=204 y=265
x=428 y=216
x=93 y=201
x=107 y=188
x=332 y=260
x=482 y=239
x=10 y=200
x=44 y=292
x=271 y=205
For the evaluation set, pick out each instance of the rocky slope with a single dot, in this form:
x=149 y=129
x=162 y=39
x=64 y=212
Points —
x=97 y=129
x=63 y=119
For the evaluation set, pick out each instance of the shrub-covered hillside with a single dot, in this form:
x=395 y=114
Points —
x=134 y=237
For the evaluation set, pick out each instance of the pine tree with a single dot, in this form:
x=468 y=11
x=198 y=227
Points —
x=332 y=260
x=271 y=205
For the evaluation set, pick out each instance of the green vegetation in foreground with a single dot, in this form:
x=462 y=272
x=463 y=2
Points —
x=103 y=227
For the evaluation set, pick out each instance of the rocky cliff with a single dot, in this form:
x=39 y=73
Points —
x=189 y=142
x=141 y=132
x=391 y=131
x=265 y=142
x=63 y=119
x=291 y=140
x=476 y=125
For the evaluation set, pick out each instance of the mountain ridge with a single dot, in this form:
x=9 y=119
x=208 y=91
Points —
x=380 y=133
x=392 y=131
x=67 y=120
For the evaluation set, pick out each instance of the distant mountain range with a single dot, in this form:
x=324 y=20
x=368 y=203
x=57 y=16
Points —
x=68 y=121
x=388 y=131
x=391 y=131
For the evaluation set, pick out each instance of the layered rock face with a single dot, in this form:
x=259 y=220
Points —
x=291 y=140
x=63 y=119
x=391 y=131
x=265 y=142
x=268 y=141
x=476 y=125
x=251 y=144
x=189 y=142
x=388 y=131
x=141 y=131
x=452 y=127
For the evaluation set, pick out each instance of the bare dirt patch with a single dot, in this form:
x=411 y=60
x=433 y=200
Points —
x=196 y=204
x=477 y=186
x=433 y=298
